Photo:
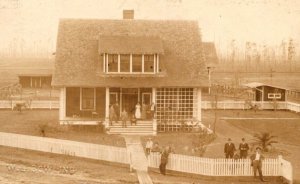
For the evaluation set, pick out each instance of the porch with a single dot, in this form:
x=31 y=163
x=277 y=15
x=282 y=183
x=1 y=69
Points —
x=176 y=109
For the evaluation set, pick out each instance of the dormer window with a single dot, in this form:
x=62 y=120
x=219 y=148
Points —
x=131 y=63
x=130 y=54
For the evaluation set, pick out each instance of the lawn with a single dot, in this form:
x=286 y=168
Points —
x=286 y=130
x=33 y=122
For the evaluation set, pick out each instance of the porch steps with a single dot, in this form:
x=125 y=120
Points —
x=141 y=128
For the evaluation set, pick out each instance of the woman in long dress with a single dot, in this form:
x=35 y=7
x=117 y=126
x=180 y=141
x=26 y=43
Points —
x=137 y=111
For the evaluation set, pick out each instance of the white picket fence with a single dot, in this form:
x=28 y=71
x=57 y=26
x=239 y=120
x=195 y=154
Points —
x=241 y=105
x=222 y=167
x=34 y=104
x=181 y=163
x=66 y=147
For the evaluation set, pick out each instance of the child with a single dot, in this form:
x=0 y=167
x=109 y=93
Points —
x=133 y=120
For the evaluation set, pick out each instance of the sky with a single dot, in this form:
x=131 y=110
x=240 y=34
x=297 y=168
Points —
x=30 y=26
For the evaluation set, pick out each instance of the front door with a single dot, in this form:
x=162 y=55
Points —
x=146 y=98
x=129 y=99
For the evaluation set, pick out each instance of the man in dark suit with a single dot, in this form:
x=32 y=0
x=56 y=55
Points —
x=256 y=163
x=229 y=149
x=244 y=147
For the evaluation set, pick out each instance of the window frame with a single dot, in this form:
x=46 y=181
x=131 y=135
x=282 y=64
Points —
x=81 y=99
x=156 y=68
x=274 y=95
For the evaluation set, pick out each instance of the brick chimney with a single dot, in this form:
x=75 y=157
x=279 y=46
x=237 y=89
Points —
x=128 y=14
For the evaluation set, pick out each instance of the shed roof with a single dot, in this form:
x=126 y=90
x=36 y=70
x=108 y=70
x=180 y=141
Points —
x=116 y=44
x=258 y=84
x=78 y=62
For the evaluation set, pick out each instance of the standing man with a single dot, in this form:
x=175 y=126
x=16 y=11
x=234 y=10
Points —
x=256 y=163
x=112 y=115
x=152 y=110
x=229 y=149
x=124 y=118
x=164 y=160
x=117 y=110
x=244 y=147
x=149 y=146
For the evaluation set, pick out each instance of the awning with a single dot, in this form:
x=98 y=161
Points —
x=130 y=45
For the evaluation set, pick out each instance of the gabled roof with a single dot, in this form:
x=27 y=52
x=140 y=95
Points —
x=210 y=53
x=78 y=62
x=258 y=84
x=116 y=44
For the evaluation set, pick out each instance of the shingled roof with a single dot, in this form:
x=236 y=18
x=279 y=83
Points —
x=79 y=62
x=210 y=53
x=115 y=44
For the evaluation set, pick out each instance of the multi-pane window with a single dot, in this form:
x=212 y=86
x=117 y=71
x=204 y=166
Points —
x=148 y=63
x=274 y=95
x=136 y=63
x=131 y=63
x=112 y=62
x=87 y=98
x=175 y=106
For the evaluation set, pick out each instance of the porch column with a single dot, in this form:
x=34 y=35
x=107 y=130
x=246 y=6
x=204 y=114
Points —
x=199 y=107
x=62 y=104
x=154 y=95
x=107 y=107
x=154 y=118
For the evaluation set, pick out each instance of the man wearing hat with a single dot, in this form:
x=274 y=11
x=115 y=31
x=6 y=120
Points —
x=229 y=149
x=256 y=163
x=244 y=147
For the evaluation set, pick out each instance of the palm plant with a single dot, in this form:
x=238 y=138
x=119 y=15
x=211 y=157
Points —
x=264 y=139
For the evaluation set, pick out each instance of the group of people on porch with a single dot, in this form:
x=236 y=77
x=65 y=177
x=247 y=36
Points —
x=143 y=111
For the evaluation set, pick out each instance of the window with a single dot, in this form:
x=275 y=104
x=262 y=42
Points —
x=136 y=63
x=274 y=95
x=148 y=63
x=112 y=63
x=124 y=63
x=131 y=63
x=87 y=99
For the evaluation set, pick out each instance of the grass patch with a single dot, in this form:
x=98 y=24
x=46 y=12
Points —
x=45 y=123
x=287 y=131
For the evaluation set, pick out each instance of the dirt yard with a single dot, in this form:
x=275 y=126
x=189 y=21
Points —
x=32 y=167
x=35 y=122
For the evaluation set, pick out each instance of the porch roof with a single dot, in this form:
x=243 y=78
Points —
x=116 y=44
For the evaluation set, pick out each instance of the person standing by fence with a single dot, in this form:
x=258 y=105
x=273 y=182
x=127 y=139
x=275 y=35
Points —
x=256 y=163
x=244 y=147
x=149 y=145
x=229 y=149
x=164 y=160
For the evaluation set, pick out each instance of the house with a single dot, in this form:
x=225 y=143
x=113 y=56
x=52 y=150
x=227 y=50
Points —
x=103 y=62
x=267 y=92
x=29 y=72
